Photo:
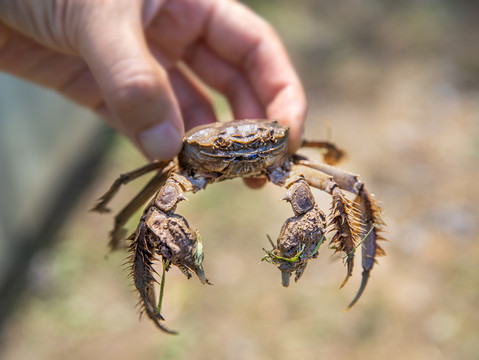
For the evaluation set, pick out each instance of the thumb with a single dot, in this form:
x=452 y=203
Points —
x=135 y=87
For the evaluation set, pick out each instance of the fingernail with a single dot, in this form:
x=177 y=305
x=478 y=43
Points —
x=161 y=142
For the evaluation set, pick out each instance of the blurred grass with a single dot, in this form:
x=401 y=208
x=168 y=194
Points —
x=399 y=84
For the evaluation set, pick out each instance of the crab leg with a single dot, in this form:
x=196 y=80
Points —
x=332 y=154
x=125 y=179
x=369 y=212
x=118 y=233
x=344 y=218
x=347 y=181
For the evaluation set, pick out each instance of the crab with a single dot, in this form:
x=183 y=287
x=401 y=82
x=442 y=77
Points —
x=244 y=148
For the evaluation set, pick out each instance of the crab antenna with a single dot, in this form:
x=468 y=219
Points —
x=362 y=287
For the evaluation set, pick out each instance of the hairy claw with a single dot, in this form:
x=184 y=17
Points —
x=300 y=236
x=345 y=223
x=372 y=226
x=170 y=237
x=142 y=258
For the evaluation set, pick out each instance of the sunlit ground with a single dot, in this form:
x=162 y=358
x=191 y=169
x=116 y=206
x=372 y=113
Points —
x=411 y=132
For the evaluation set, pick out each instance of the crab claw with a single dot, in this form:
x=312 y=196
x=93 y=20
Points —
x=300 y=197
x=300 y=236
x=169 y=236
x=177 y=242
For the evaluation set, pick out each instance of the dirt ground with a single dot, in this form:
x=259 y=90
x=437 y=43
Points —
x=398 y=85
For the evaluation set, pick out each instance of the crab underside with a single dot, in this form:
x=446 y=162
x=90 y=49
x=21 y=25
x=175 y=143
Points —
x=245 y=148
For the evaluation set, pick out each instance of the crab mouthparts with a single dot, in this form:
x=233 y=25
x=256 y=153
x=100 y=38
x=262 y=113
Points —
x=244 y=154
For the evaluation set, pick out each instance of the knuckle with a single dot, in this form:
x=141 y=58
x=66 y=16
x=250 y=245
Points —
x=136 y=86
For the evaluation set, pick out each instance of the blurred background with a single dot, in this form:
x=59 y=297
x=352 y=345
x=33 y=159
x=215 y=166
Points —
x=398 y=85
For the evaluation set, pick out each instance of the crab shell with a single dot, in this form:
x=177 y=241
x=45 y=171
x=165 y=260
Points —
x=247 y=149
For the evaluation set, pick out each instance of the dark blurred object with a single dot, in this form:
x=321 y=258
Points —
x=49 y=149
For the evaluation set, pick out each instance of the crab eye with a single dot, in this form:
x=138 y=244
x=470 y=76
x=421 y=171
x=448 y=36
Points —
x=220 y=141
x=271 y=132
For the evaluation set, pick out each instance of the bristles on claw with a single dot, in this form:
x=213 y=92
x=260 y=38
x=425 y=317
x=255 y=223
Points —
x=141 y=258
x=372 y=225
x=346 y=224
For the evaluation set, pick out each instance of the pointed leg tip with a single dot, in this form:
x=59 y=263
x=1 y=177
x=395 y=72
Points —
x=157 y=317
x=362 y=287
x=101 y=206
x=165 y=329
x=100 y=209
x=168 y=331
x=344 y=281
x=349 y=307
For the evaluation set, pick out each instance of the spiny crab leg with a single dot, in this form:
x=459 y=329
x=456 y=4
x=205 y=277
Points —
x=123 y=179
x=142 y=257
x=332 y=154
x=117 y=235
x=163 y=233
x=369 y=212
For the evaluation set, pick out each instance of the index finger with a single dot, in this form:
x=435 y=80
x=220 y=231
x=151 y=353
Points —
x=247 y=41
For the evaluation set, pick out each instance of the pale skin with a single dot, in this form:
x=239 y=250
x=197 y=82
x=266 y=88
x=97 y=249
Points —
x=142 y=65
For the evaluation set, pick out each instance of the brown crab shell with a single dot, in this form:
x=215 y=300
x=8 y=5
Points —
x=240 y=148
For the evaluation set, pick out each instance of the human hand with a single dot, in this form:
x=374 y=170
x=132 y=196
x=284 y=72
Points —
x=137 y=63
